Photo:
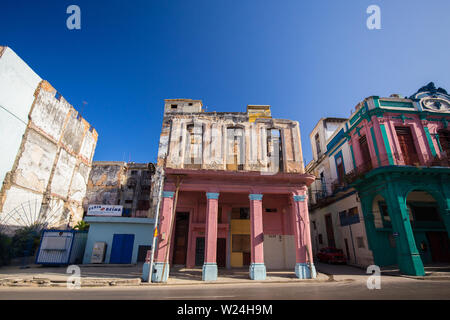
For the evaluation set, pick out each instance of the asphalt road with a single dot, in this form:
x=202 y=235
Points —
x=391 y=288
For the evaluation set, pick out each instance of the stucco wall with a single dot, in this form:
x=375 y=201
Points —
x=103 y=230
x=48 y=153
x=15 y=77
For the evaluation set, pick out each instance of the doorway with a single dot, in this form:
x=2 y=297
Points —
x=181 y=238
x=122 y=248
x=439 y=246
x=329 y=228
x=221 y=253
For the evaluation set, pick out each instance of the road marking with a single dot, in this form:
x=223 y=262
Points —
x=204 y=297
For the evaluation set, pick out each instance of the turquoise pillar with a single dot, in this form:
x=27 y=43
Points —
x=408 y=257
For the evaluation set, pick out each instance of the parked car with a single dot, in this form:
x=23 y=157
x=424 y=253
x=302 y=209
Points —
x=331 y=255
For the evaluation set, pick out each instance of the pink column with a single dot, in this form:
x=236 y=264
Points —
x=304 y=267
x=257 y=267
x=210 y=266
x=160 y=264
x=212 y=205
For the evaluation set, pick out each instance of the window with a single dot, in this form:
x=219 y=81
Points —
x=174 y=106
x=128 y=201
x=340 y=168
x=424 y=212
x=444 y=140
x=320 y=239
x=271 y=209
x=133 y=172
x=240 y=213
x=317 y=145
x=190 y=103
x=314 y=225
x=194 y=143
x=235 y=146
x=360 y=242
x=365 y=153
x=143 y=205
x=406 y=141
x=274 y=150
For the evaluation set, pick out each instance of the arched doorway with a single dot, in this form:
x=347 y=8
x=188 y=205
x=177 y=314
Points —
x=428 y=227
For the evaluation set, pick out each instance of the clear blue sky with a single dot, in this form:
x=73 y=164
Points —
x=307 y=59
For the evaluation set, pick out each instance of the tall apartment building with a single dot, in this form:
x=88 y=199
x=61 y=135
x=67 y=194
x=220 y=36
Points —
x=46 y=150
x=238 y=186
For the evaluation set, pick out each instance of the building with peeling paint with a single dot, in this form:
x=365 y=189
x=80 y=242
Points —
x=46 y=147
x=234 y=192
x=382 y=191
x=119 y=183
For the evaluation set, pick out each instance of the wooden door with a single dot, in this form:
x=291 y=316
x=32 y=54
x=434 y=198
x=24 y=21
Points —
x=221 y=252
x=365 y=153
x=407 y=146
x=439 y=246
x=181 y=238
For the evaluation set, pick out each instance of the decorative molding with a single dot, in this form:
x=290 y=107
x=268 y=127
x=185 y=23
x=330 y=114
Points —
x=168 y=194
x=255 y=196
x=212 y=195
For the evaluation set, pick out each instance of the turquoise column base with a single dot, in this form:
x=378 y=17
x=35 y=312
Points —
x=411 y=265
x=209 y=271
x=302 y=271
x=145 y=272
x=258 y=271
x=157 y=275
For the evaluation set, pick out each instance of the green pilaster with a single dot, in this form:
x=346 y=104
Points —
x=353 y=157
x=372 y=133
x=438 y=142
x=430 y=141
x=408 y=256
x=386 y=144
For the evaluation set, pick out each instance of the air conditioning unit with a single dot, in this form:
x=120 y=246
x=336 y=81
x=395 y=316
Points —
x=98 y=252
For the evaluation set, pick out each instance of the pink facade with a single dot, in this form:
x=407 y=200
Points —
x=203 y=193
x=391 y=147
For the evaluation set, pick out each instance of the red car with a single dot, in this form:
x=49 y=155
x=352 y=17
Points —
x=331 y=255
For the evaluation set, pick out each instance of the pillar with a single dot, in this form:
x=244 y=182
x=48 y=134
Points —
x=163 y=238
x=257 y=266
x=304 y=266
x=209 y=272
x=408 y=257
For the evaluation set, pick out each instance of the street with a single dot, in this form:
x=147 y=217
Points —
x=391 y=288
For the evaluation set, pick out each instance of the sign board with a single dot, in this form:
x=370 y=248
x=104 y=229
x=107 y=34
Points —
x=104 y=210
x=395 y=234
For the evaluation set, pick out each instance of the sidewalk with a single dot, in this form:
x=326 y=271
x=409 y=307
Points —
x=346 y=272
x=130 y=275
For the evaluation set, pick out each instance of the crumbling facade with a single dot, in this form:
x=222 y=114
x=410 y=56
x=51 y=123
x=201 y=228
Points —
x=120 y=183
x=47 y=146
x=234 y=193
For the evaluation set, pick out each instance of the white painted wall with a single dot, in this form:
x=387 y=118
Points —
x=15 y=77
x=364 y=256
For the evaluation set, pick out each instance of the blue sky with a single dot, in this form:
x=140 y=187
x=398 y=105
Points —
x=307 y=59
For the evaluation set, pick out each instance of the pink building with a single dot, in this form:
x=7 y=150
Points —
x=234 y=193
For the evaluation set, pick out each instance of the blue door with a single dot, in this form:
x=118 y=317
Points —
x=122 y=248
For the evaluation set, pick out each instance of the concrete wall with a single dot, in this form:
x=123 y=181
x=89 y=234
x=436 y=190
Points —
x=15 y=77
x=48 y=153
x=102 y=229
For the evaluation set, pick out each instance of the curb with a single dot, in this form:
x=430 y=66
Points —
x=45 y=282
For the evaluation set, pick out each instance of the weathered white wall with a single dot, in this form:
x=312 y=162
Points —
x=364 y=256
x=15 y=77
